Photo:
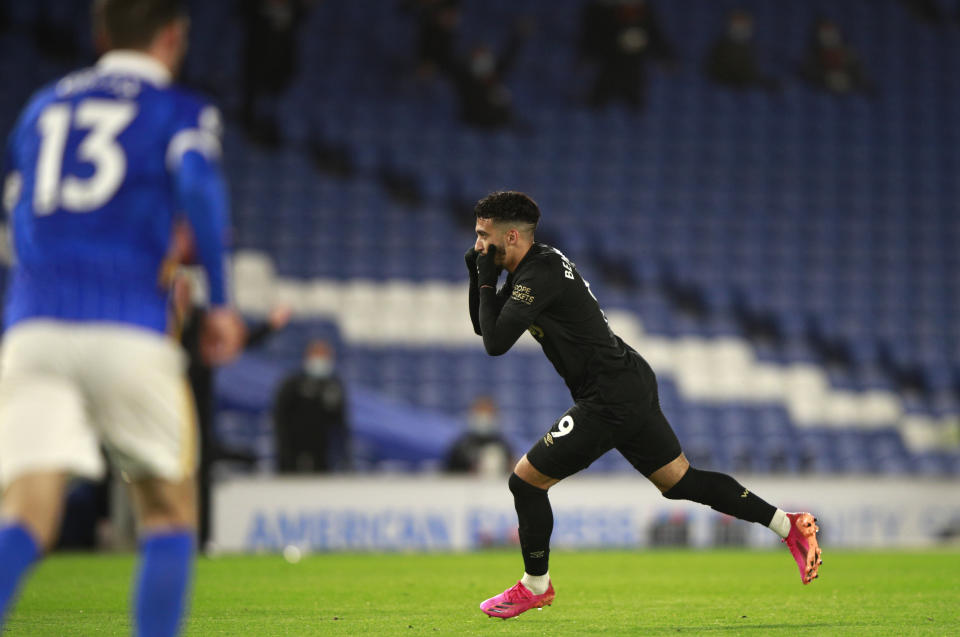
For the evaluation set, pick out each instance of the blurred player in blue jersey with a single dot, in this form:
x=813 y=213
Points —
x=97 y=170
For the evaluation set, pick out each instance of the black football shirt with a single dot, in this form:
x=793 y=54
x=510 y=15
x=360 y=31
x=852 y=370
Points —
x=547 y=294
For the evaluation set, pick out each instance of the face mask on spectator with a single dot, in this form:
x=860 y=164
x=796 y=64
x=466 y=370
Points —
x=318 y=367
x=829 y=36
x=482 y=64
x=482 y=422
x=741 y=30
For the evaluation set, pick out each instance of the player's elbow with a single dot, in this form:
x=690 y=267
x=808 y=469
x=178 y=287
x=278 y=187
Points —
x=493 y=348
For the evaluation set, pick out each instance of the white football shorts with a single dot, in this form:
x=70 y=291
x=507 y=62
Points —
x=66 y=388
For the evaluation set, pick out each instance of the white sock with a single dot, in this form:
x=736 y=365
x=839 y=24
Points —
x=536 y=583
x=780 y=524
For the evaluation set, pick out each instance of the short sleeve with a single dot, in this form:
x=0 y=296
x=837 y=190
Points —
x=534 y=289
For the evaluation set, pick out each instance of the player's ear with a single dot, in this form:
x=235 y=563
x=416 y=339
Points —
x=173 y=35
x=100 y=40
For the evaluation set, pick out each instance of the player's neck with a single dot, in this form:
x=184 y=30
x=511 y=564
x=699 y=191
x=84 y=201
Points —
x=521 y=252
x=166 y=56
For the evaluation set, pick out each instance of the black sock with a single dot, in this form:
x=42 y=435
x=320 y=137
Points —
x=536 y=524
x=721 y=493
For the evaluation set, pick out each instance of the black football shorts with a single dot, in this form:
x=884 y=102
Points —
x=638 y=430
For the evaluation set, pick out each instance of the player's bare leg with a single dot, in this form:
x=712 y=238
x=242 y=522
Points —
x=677 y=480
x=534 y=590
x=166 y=512
x=670 y=474
x=36 y=501
x=162 y=504
x=29 y=524
x=529 y=474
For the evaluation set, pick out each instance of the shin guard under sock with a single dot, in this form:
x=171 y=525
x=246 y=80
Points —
x=535 y=519
x=721 y=493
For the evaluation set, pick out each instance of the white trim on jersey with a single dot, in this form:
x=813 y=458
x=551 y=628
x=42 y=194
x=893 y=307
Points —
x=135 y=63
x=200 y=140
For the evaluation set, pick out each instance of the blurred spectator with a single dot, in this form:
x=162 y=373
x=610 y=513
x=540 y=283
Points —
x=270 y=59
x=485 y=101
x=621 y=36
x=832 y=65
x=310 y=416
x=927 y=10
x=437 y=23
x=189 y=311
x=481 y=450
x=732 y=60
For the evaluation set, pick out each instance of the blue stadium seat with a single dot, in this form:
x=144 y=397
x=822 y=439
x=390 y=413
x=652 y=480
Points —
x=828 y=221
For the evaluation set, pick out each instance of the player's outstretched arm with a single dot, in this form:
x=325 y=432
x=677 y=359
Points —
x=500 y=331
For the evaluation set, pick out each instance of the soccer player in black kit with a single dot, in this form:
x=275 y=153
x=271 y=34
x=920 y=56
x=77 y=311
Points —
x=614 y=391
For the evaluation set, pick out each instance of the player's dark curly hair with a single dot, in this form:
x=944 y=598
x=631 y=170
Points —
x=509 y=205
x=132 y=24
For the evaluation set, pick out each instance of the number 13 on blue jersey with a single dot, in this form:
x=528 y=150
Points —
x=103 y=120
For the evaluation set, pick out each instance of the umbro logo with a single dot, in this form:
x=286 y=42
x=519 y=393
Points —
x=745 y=493
x=548 y=439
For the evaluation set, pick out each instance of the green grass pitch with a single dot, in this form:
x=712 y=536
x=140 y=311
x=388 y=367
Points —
x=598 y=593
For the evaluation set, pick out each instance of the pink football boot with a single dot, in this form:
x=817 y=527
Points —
x=516 y=600
x=802 y=543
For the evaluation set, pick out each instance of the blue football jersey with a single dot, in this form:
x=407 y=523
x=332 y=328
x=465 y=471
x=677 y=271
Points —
x=98 y=167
